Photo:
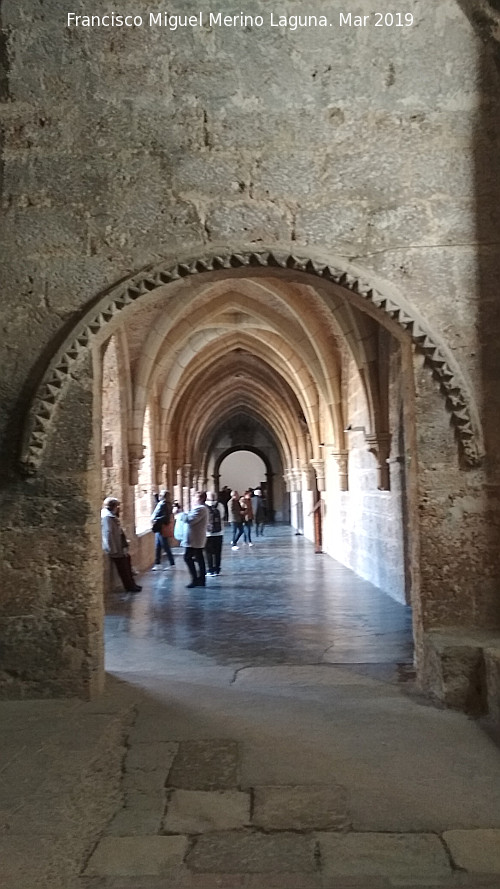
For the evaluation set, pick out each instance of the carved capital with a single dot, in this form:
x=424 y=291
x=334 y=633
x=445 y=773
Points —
x=135 y=456
x=342 y=460
x=319 y=469
x=310 y=477
x=379 y=444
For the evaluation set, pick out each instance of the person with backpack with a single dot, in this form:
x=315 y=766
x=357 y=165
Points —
x=161 y=523
x=215 y=532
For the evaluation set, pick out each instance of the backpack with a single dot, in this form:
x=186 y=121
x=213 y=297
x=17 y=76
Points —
x=214 y=523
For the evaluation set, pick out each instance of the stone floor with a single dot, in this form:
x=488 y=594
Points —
x=262 y=733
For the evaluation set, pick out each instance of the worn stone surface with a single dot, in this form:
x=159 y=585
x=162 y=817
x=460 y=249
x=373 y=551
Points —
x=300 y=808
x=60 y=784
x=477 y=851
x=238 y=852
x=398 y=856
x=137 y=856
x=151 y=756
x=194 y=811
x=492 y=666
x=205 y=765
x=459 y=671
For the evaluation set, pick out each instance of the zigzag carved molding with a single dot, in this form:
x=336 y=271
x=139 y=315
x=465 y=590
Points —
x=60 y=370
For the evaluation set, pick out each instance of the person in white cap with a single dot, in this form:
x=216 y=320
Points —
x=115 y=544
x=259 y=511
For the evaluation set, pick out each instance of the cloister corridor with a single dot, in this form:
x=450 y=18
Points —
x=277 y=603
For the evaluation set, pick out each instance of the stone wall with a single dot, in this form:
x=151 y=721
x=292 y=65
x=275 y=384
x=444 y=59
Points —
x=123 y=146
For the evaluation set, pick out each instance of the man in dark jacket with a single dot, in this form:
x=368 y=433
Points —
x=259 y=512
x=160 y=521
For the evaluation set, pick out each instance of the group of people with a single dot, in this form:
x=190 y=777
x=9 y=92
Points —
x=200 y=531
x=243 y=512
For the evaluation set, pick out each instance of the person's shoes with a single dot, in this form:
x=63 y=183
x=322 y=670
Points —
x=234 y=547
x=135 y=589
x=168 y=567
x=250 y=544
x=191 y=586
x=200 y=583
x=156 y=568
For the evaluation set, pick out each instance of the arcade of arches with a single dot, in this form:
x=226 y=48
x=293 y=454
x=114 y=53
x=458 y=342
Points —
x=308 y=273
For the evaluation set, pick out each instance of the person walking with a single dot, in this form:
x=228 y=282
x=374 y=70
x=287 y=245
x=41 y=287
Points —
x=161 y=525
x=259 y=512
x=224 y=498
x=246 y=506
x=235 y=514
x=115 y=544
x=196 y=522
x=215 y=534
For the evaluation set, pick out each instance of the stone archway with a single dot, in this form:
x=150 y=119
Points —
x=390 y=310
x=69 y=379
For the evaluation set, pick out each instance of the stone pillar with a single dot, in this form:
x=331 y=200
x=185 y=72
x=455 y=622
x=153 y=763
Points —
x=135 y=455
x=161 y=464
x=52 y=624
x=342 y=460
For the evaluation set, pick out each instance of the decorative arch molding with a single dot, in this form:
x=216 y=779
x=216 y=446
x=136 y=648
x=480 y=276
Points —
x=107 y=309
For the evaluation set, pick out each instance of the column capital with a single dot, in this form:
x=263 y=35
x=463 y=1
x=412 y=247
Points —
x=341 y=458
x=319 y=468
x=135 y=456
x=379 y=444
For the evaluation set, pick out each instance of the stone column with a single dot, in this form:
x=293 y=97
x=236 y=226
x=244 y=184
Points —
x=161 y=463
x=135 y=455
x=342 y=461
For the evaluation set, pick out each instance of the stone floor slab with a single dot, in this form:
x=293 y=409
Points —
x=144 y=782
x=135 y=822
x=236 y=853
x=300 y=808
x=478 y=851
x=400 y=856
x=152 y=756
x=199 y=811
x=137 y=856
x=205 y=765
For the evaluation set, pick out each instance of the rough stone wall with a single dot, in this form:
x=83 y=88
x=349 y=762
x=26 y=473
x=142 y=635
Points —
x=123 y=146
x=51 y=624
